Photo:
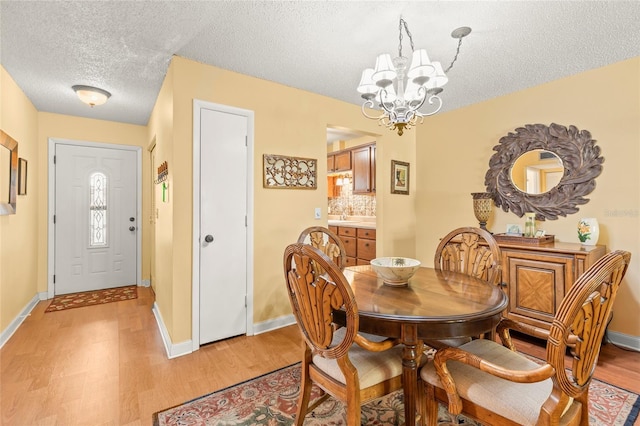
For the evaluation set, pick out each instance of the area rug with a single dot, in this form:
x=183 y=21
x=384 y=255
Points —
x=271 y=400
x=89 y=298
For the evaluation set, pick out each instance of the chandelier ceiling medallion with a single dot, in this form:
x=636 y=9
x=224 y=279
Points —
x=401 y=94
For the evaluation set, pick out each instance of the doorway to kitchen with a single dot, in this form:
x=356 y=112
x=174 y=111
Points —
x=351 y=174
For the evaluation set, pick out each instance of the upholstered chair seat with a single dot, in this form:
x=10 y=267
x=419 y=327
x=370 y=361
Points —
x=373 y=367
x=520 y=402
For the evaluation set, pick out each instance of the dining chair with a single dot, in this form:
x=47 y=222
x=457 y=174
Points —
x=345 y=364
x=497 y=385
x=326 y=241
x=462 y=250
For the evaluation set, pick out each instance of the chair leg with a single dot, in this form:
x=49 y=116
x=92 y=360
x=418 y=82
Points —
x=303 y=401
x=353 y=411
x=305 y=387
x=584 y=400
x=429 y=414
x=420 y=404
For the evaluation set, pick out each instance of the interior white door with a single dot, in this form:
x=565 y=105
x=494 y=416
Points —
x=95 y=218
x=223 y=226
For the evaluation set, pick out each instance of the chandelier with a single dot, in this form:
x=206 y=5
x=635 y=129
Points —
x=401 y=94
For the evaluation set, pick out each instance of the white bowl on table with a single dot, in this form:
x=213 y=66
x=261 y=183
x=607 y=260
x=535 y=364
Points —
x=395 y=271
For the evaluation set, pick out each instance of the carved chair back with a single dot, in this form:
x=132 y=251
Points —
x=581 y=321
x=326 y=241
x=314 y=296
x=461 y=250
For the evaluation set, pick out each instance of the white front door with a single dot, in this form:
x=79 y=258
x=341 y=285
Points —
x=95 y=218
x=223 y=225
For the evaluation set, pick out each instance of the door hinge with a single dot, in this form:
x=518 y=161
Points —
x=54 y=218
x=245 y=301
x=54 y=279
x=54 y=159
x=245 y=221
x=246 y=141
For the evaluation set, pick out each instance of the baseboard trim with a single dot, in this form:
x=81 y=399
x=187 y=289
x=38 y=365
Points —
x=17 y=321
x=624 y=340
x=172 y=350
x=273 y=324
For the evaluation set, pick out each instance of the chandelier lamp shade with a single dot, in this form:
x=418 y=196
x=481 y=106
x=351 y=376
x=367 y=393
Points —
x=91 y=96
x=399 y=91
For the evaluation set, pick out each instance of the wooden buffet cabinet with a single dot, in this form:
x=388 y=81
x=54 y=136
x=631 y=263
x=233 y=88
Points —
x=359 y=243
x=536 y=278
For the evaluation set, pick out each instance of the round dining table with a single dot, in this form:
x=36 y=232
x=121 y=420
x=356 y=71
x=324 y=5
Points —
x=433 y=305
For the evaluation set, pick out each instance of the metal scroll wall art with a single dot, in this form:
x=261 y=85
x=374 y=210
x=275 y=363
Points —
x=289 y=172
x=581 y=161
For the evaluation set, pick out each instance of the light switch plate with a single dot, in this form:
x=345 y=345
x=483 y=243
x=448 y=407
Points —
x=318 y=213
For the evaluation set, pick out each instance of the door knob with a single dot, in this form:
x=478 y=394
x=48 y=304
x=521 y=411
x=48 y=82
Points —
x=132 y=228
x=132 y=219
x=208 y=238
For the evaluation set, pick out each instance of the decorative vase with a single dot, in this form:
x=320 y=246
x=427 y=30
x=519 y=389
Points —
x=482 y=207
x=588 y=231
x=530 y=225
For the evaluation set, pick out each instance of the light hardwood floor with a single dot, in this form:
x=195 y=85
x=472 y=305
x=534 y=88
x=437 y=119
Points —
x=106 y=365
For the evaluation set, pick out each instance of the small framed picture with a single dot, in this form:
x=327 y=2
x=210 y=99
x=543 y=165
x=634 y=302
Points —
x=399 y=177
x=514 y=229
x=540 y=233
x=22 y=176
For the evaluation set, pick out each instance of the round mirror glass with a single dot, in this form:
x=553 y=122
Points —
x=537 y=171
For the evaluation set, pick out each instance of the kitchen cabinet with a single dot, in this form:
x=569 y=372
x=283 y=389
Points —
x=339 y=162
x=359 y=244
x=364 y=164
x=536 y=278
x=333 y=190
x=366 y=245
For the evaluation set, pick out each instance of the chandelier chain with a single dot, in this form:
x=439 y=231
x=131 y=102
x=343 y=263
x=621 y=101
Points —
x=455 y=58
x=406 y=28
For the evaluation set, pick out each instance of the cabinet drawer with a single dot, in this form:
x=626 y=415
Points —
x=347 y=231
x=349 y=261
x=349 y=245
x=362 y=262
x=369 y=234
x=333 y=229
x=366 y=249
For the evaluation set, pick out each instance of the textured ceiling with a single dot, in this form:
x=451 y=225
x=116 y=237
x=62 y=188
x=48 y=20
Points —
x=125 y=46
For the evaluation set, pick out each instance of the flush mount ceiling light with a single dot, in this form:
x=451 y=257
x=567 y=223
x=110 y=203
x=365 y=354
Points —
x=91 y=96
x=401 y=94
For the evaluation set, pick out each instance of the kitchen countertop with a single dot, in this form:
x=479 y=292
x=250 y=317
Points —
x=354 y=222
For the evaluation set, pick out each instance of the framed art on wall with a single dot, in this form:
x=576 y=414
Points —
x=22 y=176
x=285 y=172
x=399 y=177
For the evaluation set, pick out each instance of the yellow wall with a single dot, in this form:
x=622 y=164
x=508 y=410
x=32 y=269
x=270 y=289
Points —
x=19 y=232
x=160 y=130
x=288 y=121
x=454 y=148
x=448 y=161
